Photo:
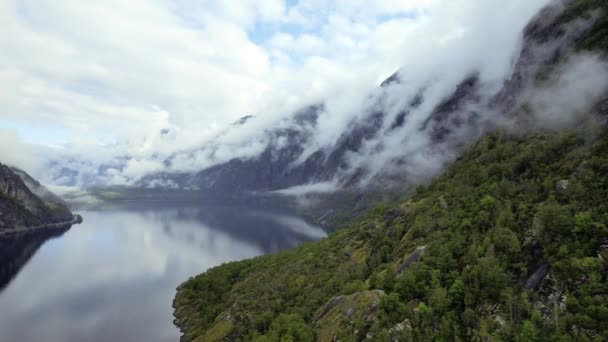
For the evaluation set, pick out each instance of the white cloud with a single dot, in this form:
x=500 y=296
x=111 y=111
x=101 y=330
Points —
x=114 y=74
x=577 y=85
x=17 y=153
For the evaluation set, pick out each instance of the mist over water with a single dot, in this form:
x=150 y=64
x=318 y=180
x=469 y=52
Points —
x=113 y=278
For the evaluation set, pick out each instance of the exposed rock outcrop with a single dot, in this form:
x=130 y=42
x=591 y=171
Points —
x=343 y=311
x=562 y=186
x=535 y=280
x=412 y=258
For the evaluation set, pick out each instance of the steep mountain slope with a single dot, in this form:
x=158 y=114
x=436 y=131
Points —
x=451 y=124
x=25 y=203
x=562 y=30
x=508 y=244
x=51 y=200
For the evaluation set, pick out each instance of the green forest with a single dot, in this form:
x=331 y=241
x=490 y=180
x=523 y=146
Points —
x=511 y=206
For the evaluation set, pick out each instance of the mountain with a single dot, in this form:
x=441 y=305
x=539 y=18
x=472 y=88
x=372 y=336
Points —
x=449 y=125
x=24 y=202
x=398 y=129
x=509 y=242
x=49 y=198
x=457 y=120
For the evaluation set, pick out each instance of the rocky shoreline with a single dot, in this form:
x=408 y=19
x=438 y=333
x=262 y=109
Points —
x=76 y=219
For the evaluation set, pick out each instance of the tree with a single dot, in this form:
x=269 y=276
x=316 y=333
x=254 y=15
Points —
x=288 y=328
x=506 y=242
x=389 y=303
x=553 y=221
x=487 y=202
x=439 y=300
x=456 y=293
x=528 y=332
x=583 y=223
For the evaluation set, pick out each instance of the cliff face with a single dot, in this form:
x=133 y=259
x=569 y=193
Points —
x=39 y=190
x=20 y=206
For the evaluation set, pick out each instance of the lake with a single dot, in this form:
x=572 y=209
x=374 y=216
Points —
x=113 y=278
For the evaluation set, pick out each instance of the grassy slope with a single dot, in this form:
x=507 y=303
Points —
x=487 y=223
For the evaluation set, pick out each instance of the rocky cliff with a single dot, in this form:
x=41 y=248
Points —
x=24 y=202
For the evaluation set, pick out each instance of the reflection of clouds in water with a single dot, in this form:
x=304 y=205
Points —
x=114 y=277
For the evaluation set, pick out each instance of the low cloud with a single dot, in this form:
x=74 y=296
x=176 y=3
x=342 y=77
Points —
x=570 y=92
x=306 y=189
x=15 y=152
x=137 y=104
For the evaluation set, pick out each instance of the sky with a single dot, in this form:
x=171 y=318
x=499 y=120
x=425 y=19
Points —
x=104 y=79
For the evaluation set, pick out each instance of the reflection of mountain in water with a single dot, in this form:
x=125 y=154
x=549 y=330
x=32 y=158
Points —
x=127 y=263
x=16 y=250
x=269 y=230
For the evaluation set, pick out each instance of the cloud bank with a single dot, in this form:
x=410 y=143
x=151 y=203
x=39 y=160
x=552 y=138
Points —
x=120 y=88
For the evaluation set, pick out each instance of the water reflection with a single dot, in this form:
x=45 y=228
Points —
x=16 y=251
x=113 y=278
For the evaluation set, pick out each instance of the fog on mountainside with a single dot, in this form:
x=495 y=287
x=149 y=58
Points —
x=451 y=89
x=343 y=135
x=424 y=115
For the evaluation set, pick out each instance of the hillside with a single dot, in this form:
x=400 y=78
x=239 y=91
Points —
x=24 y=202
x=507 y=244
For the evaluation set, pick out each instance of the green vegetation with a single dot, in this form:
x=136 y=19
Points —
x=506 y=208
x=347 y=206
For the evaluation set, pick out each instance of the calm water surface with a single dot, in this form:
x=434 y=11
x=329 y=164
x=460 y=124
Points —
x=113 y=277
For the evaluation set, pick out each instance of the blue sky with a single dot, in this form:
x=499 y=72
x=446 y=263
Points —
x=44 y=134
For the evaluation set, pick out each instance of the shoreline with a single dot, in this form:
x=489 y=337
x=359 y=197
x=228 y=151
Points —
x=76 y=219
